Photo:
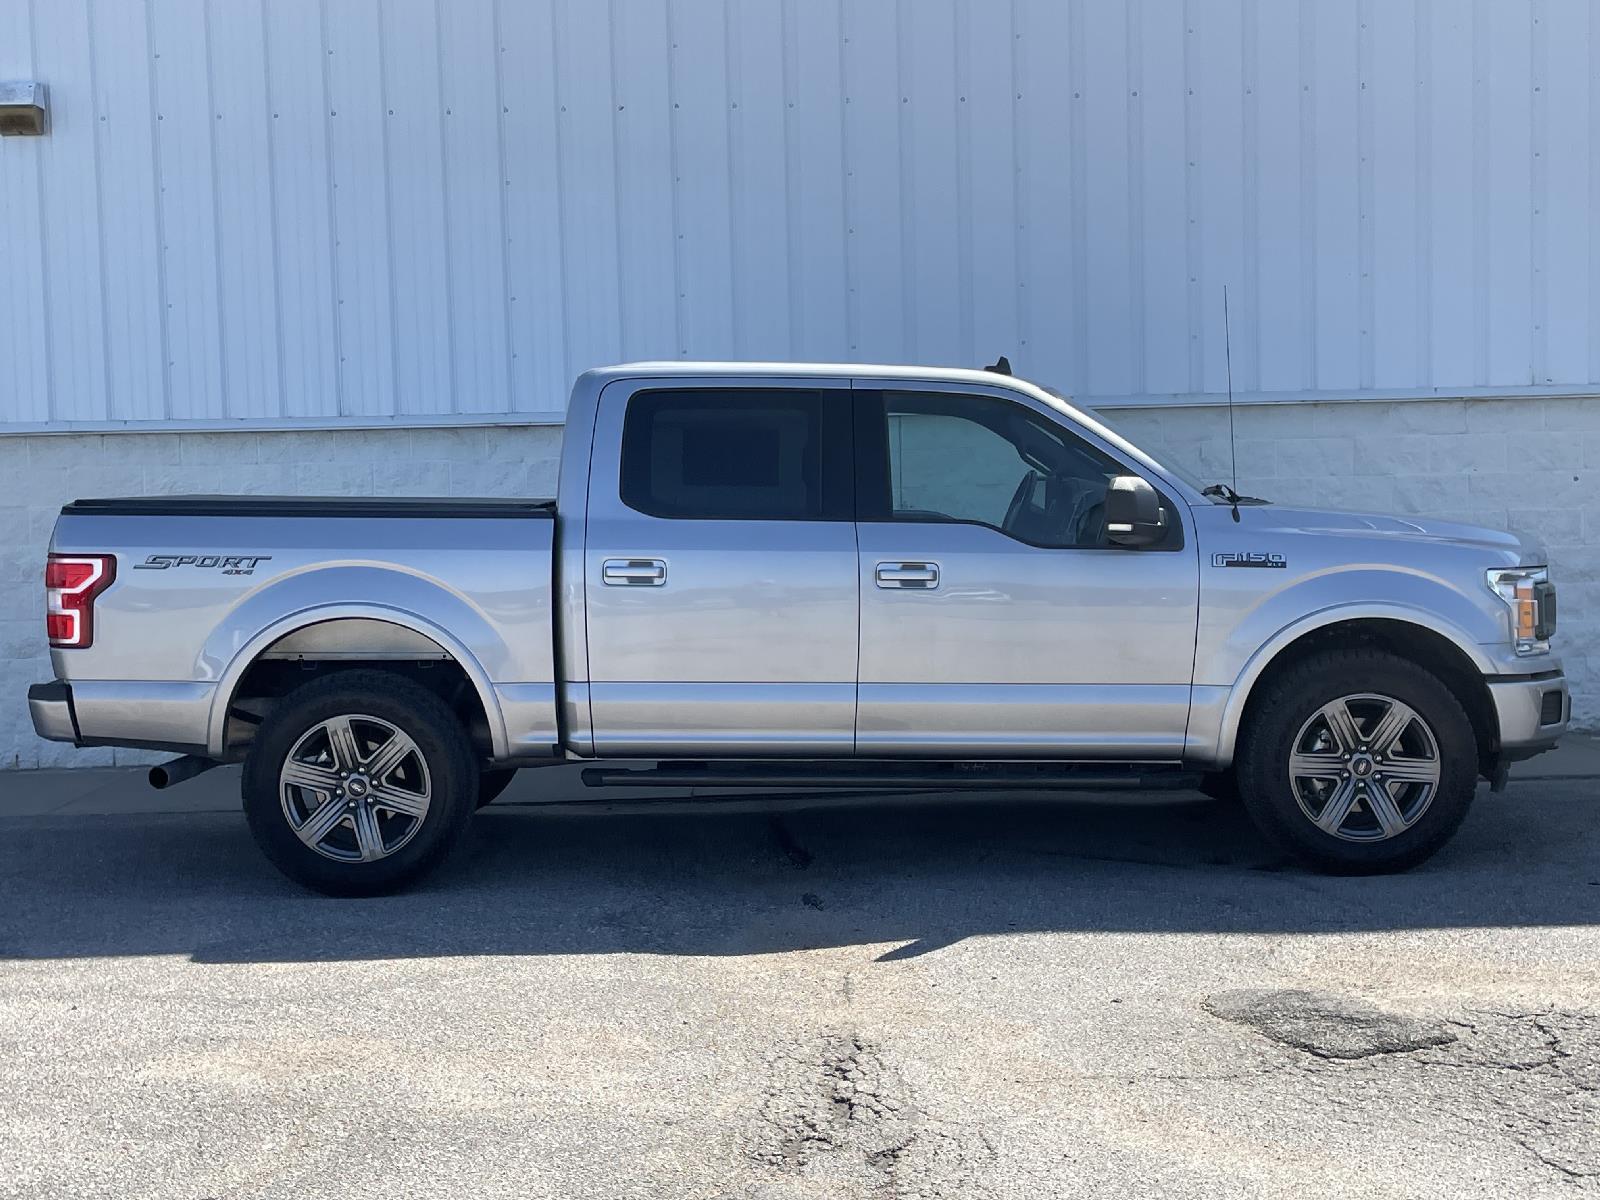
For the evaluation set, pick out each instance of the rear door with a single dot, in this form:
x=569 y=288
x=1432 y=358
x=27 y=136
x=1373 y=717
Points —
x=996 y=620
x=720 y=560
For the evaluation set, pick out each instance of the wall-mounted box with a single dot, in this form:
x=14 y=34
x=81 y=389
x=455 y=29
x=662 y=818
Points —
x=23 y=112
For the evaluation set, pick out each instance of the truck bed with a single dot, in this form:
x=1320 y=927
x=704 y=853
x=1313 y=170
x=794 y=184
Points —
x=206 y=585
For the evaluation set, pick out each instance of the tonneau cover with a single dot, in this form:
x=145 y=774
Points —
x=411 y=508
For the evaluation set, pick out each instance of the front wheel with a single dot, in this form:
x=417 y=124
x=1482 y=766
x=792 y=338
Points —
x=1357 y=762
x=359 y=784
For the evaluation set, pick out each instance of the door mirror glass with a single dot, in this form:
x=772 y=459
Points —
x=1134 y=516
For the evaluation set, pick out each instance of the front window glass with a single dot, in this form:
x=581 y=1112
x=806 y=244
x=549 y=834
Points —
x=980 y=459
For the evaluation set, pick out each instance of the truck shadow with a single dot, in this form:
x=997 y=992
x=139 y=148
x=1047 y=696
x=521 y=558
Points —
x=897 y=879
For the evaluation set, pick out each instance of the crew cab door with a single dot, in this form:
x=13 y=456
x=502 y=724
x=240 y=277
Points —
x=996 y=620
x=720 y=561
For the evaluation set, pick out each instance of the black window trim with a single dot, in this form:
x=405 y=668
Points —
x=873 y=472
x=836 y=451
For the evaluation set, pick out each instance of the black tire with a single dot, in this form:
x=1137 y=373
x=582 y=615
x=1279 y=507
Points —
x=441 y=759
x=1221 y=786
x=1280 y=713
x=492 y=783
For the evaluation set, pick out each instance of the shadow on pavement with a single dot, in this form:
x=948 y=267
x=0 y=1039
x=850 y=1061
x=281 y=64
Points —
x=908 y=876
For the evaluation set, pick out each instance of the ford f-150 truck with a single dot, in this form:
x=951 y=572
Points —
x=805 y=576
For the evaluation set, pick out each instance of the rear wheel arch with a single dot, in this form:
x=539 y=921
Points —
x=255 y=678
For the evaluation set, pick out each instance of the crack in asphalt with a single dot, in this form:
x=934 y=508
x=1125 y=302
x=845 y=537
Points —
x=1530 y=1077
x=837 y=1114
x=789 y=845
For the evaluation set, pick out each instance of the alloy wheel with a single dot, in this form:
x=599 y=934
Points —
x=1364 y=767
x=355 y=788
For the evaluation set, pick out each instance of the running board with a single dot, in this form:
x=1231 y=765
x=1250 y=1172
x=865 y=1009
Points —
x=950 y=777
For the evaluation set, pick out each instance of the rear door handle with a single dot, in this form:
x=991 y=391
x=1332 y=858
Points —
x=633 y=572
x=922 y=575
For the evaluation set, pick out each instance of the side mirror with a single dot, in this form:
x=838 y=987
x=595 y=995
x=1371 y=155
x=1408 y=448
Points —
x=1133 y=513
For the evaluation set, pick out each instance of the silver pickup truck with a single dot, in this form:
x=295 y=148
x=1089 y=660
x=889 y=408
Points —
x=806 y=576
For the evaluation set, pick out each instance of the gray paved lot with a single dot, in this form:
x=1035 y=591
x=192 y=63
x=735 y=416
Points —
x=993 y=997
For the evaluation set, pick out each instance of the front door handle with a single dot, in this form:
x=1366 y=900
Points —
x=633 y=572
x=922 y=575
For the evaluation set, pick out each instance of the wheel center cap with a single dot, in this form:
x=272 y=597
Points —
x=1361 y=766
x=357 y=786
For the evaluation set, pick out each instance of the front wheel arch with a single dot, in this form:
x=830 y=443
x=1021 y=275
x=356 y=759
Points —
x=1417 y=644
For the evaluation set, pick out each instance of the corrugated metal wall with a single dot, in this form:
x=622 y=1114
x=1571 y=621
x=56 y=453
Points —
x=311 y=209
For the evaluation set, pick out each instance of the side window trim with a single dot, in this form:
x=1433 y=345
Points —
x=873 y=473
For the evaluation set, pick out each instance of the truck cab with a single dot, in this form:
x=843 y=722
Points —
x=856 y=576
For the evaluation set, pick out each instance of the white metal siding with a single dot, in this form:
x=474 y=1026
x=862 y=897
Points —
x=305 y=210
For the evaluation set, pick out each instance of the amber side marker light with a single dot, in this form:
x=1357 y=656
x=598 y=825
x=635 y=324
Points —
x=1531 y=601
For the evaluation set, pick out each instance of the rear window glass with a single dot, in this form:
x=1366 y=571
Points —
x=724 y=455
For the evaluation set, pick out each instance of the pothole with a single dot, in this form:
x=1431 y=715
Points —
x=1327 y=1025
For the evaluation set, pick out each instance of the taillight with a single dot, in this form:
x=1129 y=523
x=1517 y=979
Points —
x=71 y=582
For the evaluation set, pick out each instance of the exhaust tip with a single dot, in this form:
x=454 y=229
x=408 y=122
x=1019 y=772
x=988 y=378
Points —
x=164 y=775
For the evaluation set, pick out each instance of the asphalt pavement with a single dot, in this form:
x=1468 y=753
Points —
x=930 y=996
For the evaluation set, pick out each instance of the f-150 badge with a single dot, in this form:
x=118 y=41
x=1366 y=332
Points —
x=1248 y=558
x=228 y=564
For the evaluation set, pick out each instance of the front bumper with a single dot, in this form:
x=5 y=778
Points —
x=50 y=706
x=1532 y=711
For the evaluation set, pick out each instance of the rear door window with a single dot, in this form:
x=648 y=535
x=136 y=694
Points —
x=738 y=454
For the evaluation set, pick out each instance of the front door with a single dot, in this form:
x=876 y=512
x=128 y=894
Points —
x=996 y=620
x=720 y=557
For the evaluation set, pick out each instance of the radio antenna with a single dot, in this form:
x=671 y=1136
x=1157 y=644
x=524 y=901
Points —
x=1233 y=449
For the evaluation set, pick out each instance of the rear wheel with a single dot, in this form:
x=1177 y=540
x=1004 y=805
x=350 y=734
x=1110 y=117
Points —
x=1357 y=762
x=359 y=784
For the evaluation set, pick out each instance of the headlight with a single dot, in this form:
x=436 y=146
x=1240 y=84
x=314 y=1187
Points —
x=1531 y=597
